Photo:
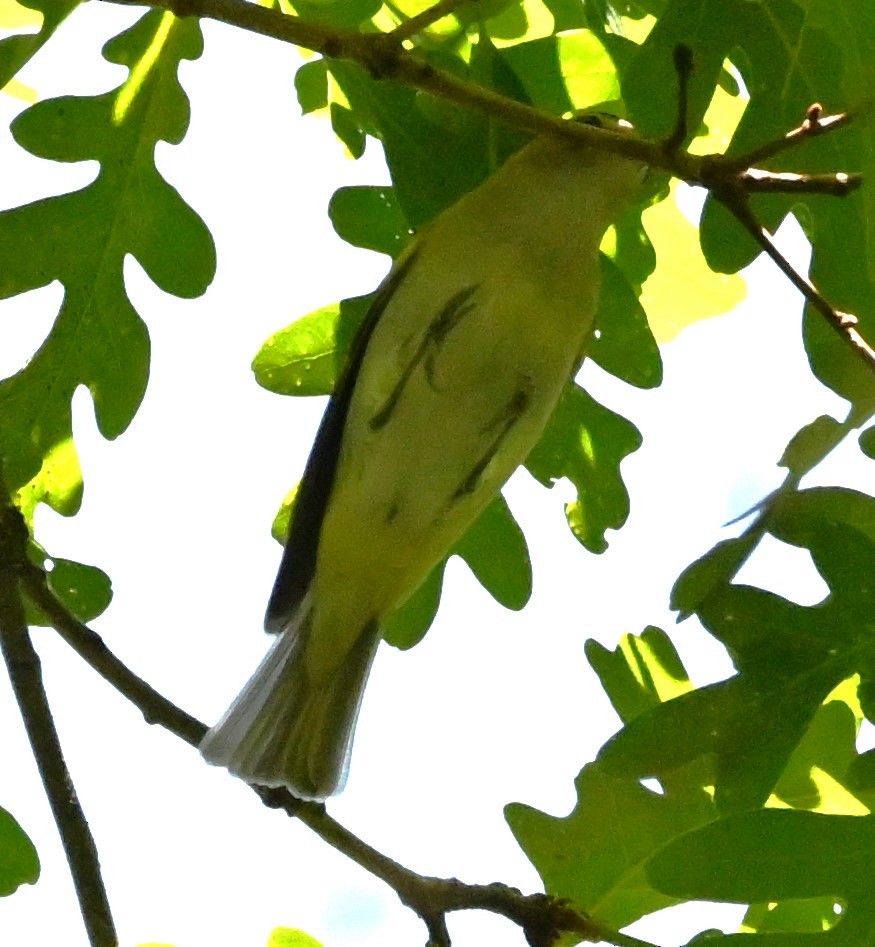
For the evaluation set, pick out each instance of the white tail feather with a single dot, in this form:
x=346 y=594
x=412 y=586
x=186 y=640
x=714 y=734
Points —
x=288 y=728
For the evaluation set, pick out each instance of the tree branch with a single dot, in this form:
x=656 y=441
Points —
x=845 y=324
x=755 y=181
x=384 y=56
x=156 y=708
x=25 y=674
x=815 y=124
x=541 y=916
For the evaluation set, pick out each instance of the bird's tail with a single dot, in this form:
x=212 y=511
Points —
x=290 y=728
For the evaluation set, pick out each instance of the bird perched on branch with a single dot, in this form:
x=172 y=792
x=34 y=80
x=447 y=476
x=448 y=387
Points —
x=450 y=381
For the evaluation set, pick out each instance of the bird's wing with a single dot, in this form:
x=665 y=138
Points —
x=299 y=558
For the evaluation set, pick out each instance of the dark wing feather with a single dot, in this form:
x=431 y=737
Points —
x=299 y=559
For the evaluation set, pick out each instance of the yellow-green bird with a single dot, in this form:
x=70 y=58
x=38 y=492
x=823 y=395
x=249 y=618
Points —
x=450 y=381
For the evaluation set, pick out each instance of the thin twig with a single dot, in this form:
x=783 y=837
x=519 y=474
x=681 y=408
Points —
x=89 y=645
x=430 y=898
x=755 y=181
x=814 y=125
x=843 y=323
x=25 y=674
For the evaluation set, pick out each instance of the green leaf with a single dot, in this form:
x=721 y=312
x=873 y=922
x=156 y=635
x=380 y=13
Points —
x=818 y=775
x=82 y=239
x=597 y=855
x=432 y=164
x=311 y=86
x=564 y=73
x=494 y=548
x=521 y=20
x=799 y=56
x=711 y=572
x=85 y=590
x=341 y=14
x=19 y=863
x=291 y=937
x=811 y=444
x=409 y=624
x=305 y=358
x=805 y=517
x=774 y=855
x=585 y=442
x=16 y=51
x=641 y=673
x=789 y=657
x=347 y=129
x=683 y=289
x=649 y=83
x=302 y=358
x=369 y=217
x=624 y=344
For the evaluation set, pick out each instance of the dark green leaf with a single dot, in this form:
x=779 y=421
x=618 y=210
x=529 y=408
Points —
x=650 y=88
x=711 y=572
x=85 y=590
x=407 y=627
x=495 y=550
x=776 y=855
x=342 y=14
x=625 y=346
x=347 y=129
x=19 y=862
x=311 y=86
x=431 y=164
x=369 y=217
x=811 y=444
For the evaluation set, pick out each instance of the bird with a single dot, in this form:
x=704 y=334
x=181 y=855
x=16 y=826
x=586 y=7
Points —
x=449 y=382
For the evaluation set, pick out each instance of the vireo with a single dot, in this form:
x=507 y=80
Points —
x=450 y=381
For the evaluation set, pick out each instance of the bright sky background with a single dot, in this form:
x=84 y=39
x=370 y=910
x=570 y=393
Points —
x=493 y=707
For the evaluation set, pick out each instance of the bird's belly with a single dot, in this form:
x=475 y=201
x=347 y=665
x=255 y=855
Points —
x=439 y=423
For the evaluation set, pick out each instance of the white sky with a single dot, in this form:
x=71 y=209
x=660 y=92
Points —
x=493 y=707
